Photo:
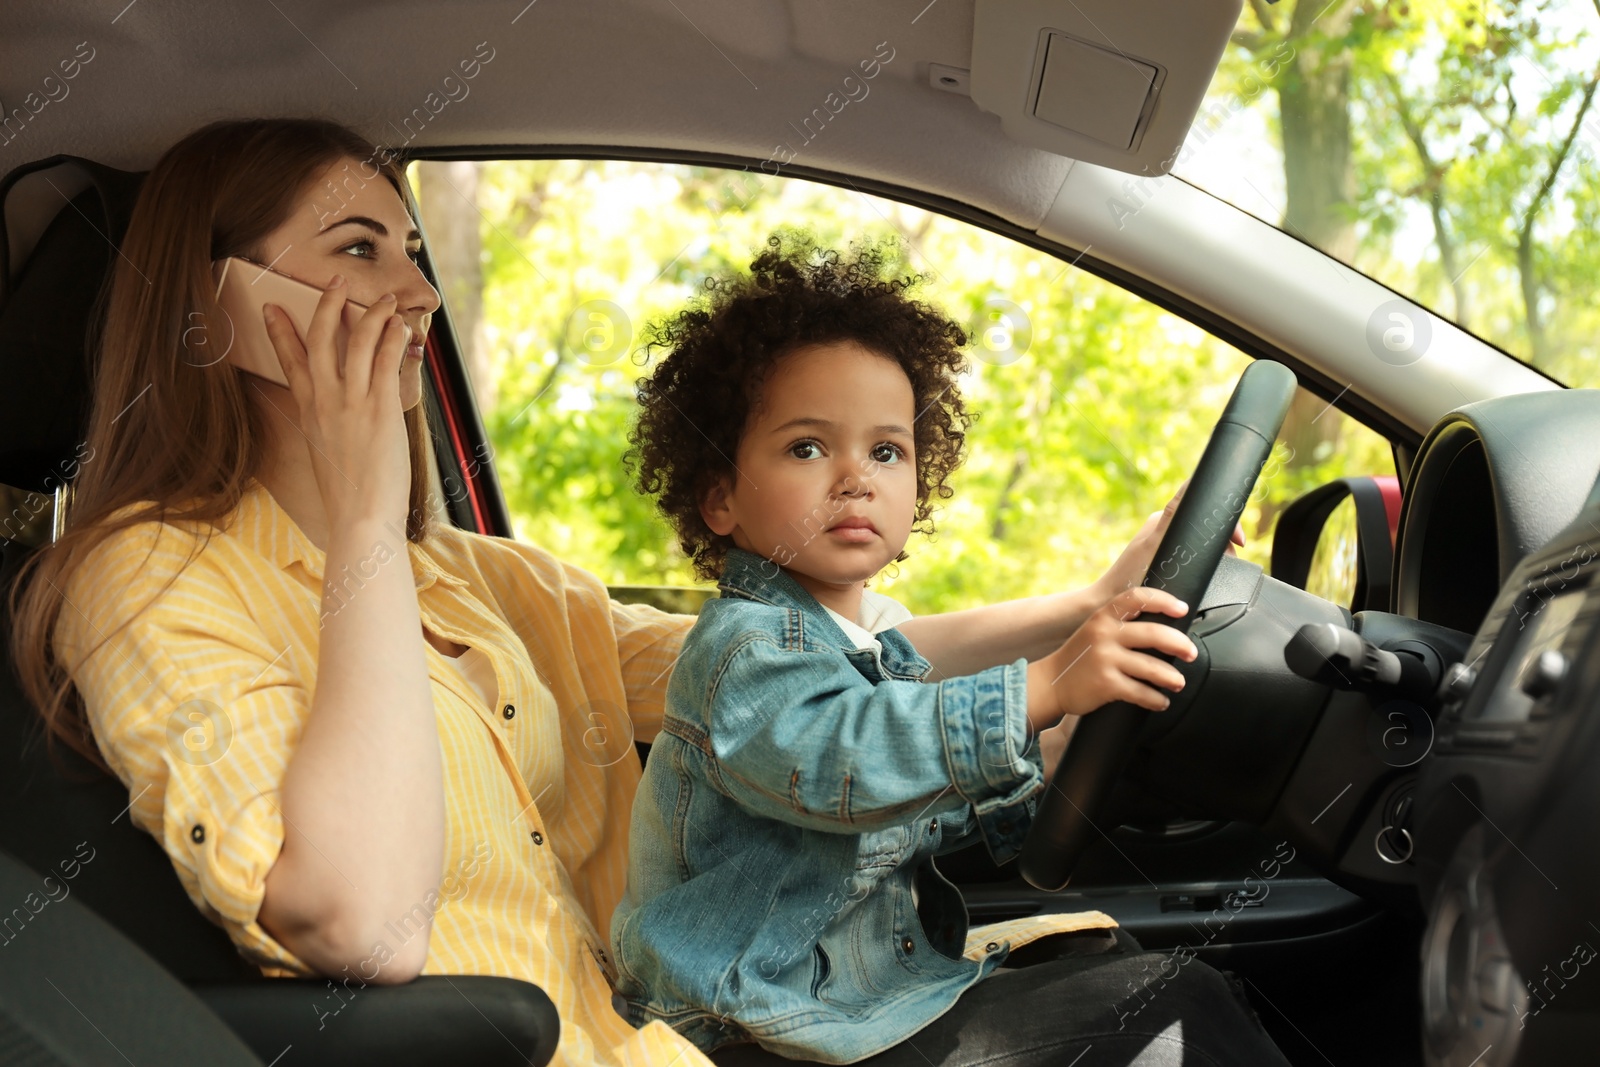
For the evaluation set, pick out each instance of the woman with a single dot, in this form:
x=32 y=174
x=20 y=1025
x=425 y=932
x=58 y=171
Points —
x=372 y=745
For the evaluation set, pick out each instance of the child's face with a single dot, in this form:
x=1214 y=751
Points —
x=826 y=484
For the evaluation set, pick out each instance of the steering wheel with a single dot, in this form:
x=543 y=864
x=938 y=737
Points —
x=1183 y=565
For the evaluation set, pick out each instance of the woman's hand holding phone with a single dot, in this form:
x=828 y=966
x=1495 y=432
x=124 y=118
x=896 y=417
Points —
x=359 y=450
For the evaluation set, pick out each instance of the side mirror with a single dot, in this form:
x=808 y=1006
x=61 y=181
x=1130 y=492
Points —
x=1337 y=541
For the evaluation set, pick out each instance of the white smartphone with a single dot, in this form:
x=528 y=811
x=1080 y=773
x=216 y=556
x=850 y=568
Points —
x=243 y=289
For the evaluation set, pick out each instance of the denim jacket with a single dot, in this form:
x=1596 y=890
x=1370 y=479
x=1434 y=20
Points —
x=797 y=792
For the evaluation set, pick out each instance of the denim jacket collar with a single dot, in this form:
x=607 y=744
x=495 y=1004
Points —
x=753 y=577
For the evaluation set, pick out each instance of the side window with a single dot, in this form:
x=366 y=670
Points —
x=1094 y=403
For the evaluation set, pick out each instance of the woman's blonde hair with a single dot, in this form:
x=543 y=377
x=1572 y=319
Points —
x=170 y=428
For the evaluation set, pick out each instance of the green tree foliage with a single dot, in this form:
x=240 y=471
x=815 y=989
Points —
x=1093 y=404
x=1470 y=180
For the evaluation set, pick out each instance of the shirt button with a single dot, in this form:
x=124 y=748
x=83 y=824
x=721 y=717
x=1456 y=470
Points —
x=538 y=838
x=909 y=945
x=509 y=710
x=198 y=834
x=1005 y=826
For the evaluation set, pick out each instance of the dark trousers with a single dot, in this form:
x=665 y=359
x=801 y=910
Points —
x=1090 y=999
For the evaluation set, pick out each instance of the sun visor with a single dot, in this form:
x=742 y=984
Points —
x=1112 y=82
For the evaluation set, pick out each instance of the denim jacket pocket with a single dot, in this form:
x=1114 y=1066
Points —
x=883 y=848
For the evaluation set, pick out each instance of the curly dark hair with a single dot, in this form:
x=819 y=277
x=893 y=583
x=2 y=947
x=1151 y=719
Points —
x=698 y=401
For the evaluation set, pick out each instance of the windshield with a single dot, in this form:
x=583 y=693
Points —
x=1446 y=148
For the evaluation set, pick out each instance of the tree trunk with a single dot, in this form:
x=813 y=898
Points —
x=449 y=198
x=1314 y=109
x=1319 y=184
x=1433 y=175
x=1527 y=268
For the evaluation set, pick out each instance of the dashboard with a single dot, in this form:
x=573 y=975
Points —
x=1493 y=482
x=1505 y=803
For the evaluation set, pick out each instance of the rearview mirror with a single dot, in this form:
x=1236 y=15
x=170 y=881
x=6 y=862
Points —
x=1337 y=541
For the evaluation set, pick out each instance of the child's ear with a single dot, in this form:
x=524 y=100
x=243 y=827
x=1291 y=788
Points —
x=716 y=509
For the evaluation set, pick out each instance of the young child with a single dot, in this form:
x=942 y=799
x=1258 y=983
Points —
x=781 y=887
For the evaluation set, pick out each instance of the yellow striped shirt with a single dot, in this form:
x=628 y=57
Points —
x=198 y=704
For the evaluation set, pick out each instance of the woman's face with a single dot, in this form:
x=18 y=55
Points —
x=349 y=224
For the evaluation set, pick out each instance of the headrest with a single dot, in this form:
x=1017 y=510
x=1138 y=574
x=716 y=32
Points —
x=61 y=222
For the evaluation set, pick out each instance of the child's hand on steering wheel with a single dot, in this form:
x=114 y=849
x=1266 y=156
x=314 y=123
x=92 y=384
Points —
x=1109 y=658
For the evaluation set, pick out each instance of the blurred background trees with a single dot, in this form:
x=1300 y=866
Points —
x=1446 y=148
